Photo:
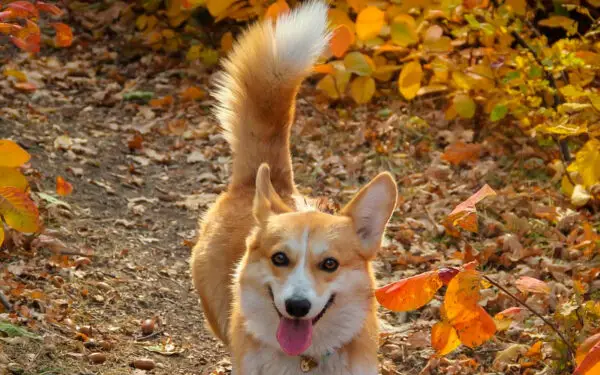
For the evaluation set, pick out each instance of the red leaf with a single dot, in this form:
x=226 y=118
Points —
x=64 y=35
x=49 y=8
x=28 y=38
x=460 y=152
x=410 y=293
x=25 y=86
x=22 y=9
x=447 y=274
x=9 y=28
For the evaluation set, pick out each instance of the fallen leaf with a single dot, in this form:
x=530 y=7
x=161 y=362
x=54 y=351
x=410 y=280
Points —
x=63 y=187
x=529 y=284
x=465 y=214
x=460 y=152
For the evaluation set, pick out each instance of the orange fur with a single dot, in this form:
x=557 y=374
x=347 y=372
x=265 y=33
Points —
x=257 y=216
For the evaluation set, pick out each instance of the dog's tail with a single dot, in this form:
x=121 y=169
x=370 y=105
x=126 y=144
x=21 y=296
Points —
x=257 y=90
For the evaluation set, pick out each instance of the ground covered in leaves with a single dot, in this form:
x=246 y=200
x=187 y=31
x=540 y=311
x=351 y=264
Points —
x=115 y=251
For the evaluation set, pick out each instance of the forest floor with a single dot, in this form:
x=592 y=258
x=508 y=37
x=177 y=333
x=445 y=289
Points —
x=116 y=250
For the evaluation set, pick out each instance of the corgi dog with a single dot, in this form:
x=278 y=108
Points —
x=288 y=289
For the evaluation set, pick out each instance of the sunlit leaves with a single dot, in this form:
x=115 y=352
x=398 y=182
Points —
x=410 y=78
x=587 y=163
x=444 y=338
x=560 y=21
x=18 y=210
x=13 y=177
x=11 y=154
x=404 y=30
x=498 y=112
x=410 y=293
x=465 y=214
x=369 y=23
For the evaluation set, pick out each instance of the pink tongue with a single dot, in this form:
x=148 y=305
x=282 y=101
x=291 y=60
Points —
x=294 y=335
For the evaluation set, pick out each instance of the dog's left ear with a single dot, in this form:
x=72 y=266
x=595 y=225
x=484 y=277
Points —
x=371 y=209
x=266 y=200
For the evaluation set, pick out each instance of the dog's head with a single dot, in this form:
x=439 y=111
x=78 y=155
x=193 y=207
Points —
x=305 y=281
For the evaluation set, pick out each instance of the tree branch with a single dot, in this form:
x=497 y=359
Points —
x=570 y=348
x=5 y=303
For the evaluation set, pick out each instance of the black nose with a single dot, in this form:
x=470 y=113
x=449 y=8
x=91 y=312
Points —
x=297 y=307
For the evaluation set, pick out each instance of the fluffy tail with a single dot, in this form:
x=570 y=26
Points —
x=257 y=90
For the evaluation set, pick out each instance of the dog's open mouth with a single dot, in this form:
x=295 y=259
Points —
x=295 y=335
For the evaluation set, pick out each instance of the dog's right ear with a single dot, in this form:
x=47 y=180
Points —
x=266 y=200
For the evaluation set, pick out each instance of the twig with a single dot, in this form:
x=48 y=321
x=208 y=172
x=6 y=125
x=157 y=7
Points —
x=570 y=348
x=149 y=337
x=5 y=303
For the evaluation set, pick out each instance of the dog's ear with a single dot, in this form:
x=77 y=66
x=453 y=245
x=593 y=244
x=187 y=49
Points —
x=266 y=200
x=371 y=209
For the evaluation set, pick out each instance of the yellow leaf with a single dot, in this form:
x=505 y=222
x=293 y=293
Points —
x=141 y=22
x=338 y=17
x=404 y=30
x=1 y=233
x=587 y=163
x=517 y=6
x=323 y=68
x=327 y=85
x=193 y=53
x=464 y=106
x=358 y=63
x=341 y=40
x=357 y=5
x=218 y=7
x=13 y=177
x=19 y=75
x=12 y=155
x=431 y=89
x=444 y=338
x=560 y=21
x=369 y=23
x=362 y=89
x=566 y=187
x=409 y=81
x=461 y=80
x=173 y=8
x=18 y=210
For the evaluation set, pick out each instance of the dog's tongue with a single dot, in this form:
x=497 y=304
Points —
x=294 y=335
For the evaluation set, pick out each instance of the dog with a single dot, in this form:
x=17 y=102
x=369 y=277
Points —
x=289 y=289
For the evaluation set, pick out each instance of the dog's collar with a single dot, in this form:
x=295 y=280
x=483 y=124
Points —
x=307 y=363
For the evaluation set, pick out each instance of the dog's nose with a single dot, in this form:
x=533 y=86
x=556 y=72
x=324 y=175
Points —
x=297 y=307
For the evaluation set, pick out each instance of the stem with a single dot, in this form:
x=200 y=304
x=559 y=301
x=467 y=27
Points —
x=570 y=348
x=5 y=303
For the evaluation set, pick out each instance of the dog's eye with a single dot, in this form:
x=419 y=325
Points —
x=329 y=265
x=280 y=259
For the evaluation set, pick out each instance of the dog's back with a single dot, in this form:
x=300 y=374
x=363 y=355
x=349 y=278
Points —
x=256 y=95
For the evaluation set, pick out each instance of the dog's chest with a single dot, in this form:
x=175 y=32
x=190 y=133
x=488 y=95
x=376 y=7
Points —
x=270 y=362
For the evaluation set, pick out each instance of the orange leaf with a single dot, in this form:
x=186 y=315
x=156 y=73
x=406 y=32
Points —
x=478 y=330
x=535 y=350
x=276 y=9
x=18 y=210
x=12 y=155
x=529 y=284
x=462 y=296
x=9 y=28
x=227 y=42
x=192 y=93
x=162 y=102
x=341 y=40
x=1 y=240
x=460 y=152
x=586 y=346
x=590 y=365
x=25 y=86
x=444 y=338
x=64 y=35
x=28 y=38
x=22 y=9
x=465 y=214
x=63 y=187
x=49 y=8
x=410 y=293
x=324 y=68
